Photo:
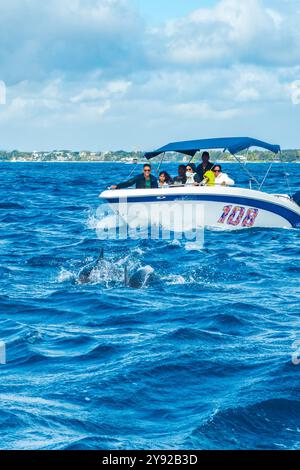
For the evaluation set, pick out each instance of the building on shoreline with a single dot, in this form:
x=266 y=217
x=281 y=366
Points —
x=289 y=156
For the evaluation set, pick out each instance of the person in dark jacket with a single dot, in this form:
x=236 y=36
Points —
x=181 y=177
x=205 y=166
x=143 y=181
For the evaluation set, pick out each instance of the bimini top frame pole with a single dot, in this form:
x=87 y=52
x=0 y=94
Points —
x=244 y=167
x=286 y=175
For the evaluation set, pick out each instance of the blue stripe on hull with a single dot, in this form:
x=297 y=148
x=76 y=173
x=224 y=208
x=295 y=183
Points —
x=292 y=217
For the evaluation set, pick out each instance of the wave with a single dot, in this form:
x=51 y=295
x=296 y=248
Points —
x=274 y=421
x=11 y=205
x=45 y=260
x=200 y=357
x=192 y=334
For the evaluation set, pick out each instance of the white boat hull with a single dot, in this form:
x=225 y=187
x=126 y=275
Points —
x=224 y=208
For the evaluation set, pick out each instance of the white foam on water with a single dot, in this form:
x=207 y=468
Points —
x=2 y=353
x=139 y=251
x=148 y=270
x=194 y=246
x=174 y=280
x=175 y=242
x=65 y=275
x=107 y=274
x=91 y=222
x=109 y=222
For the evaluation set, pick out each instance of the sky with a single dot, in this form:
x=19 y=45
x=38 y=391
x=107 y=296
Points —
x=137 y=74
x=158 y=11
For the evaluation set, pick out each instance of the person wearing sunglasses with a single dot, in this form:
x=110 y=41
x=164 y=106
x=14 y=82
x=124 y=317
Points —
x=143 y=181
x=192 y=177
x=222 y=179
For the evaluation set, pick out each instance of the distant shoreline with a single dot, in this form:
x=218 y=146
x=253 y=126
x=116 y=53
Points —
x=225 y=162
x=53 y=161
x=130 y=158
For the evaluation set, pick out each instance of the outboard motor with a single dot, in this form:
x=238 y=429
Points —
x=296 y=198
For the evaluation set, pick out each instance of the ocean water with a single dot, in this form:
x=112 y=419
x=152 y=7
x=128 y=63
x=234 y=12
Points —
x=199 y=358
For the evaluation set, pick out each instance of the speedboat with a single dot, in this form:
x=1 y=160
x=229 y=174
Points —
x=217 y=207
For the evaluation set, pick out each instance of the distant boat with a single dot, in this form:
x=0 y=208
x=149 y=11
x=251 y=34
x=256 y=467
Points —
x=131 y=161
x=227 y=208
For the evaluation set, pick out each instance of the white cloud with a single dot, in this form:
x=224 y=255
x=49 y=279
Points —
x=29 y=100
x=276 y=17
x=294 y=90
x=78 y=67
x=232 y=31
x=202 y=110
x=2 y=93
x=257 y=84
x=72 y=37
x=115 y=88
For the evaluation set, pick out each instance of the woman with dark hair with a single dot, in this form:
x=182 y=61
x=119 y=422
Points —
x=222 y=179
x=192 y=177
x=164 y=180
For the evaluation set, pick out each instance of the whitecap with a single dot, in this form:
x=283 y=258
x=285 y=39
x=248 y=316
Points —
x=175 y=279
x=65 y=275
x=194 y=246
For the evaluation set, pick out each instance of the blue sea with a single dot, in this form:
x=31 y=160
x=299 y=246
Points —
x=198 y=358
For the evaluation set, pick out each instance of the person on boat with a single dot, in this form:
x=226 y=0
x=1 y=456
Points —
x=164 y=180
x=181 y=177
x=205 y=166
x=222 y=178
x=209 y=179
x=143 y=181
x=192 y=177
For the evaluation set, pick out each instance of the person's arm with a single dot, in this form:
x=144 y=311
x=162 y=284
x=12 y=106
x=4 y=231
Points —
x=228 y=181
x=205 y=180
x=197 y=179
x=127 y=184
